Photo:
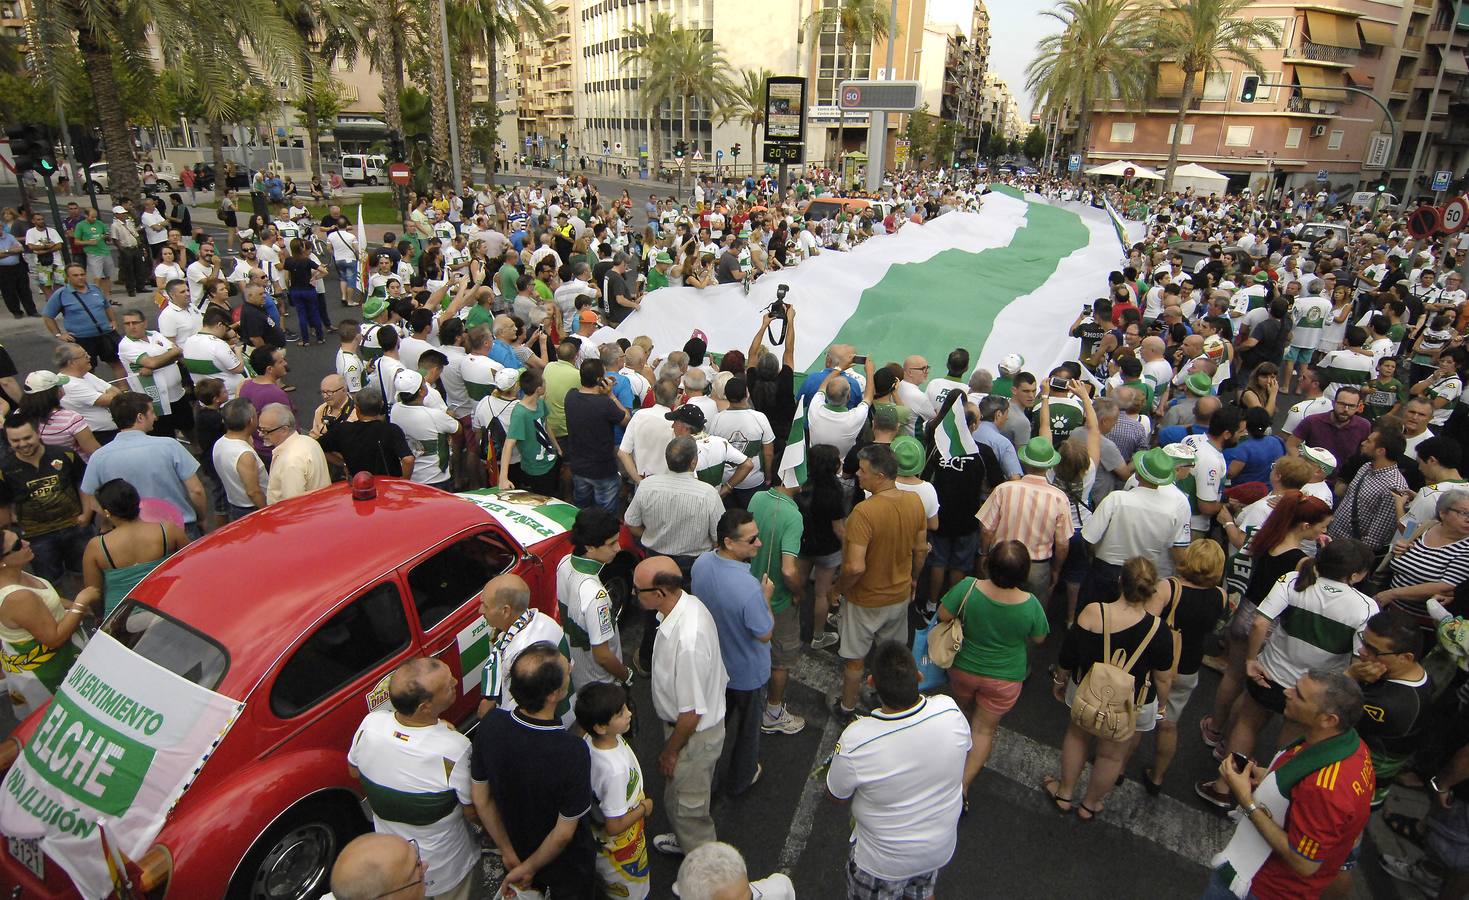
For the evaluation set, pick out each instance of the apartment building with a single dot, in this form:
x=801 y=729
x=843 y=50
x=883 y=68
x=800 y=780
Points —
x=1408 y=54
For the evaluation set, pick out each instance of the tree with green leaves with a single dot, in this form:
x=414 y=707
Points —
x=220 y=35
x=677 y=65
x=853 y=23
x=746 y=105
x=1200 y=36
x=1101 y=52
x=1035 y=144
x=476 y=27
x=920 y=134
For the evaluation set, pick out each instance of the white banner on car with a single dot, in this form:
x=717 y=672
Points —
x=116 y=748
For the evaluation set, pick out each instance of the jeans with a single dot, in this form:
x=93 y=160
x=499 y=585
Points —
x=326 y=319
x=604 y=492
x=304 y=299
x=60 y=551
x=236 y=513
x=741 y=757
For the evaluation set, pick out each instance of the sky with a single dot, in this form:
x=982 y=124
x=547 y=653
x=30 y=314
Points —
x=1015 y=26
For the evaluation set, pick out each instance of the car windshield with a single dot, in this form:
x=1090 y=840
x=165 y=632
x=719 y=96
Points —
x=822 y=209
x=169 y=643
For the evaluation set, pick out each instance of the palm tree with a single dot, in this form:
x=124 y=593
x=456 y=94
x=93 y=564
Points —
x=1200 y=36
x=678 y=64
x=747 y=105
x=1101 y=52
x=476 y=27
x=389 y=23
x=853 y=22
x=327 y=29
x=212 y=32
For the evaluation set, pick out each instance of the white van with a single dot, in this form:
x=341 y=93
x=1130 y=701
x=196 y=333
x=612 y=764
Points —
x=1374 y=199
x=363 y=169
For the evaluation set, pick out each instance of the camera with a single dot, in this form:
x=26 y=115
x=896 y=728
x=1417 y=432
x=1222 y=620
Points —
x=777 y=308
x=1086 y=309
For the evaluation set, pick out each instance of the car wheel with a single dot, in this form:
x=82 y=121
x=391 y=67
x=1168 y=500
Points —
x=93 y=187
x=293 y=859
x=165 y=186
x=372 y=181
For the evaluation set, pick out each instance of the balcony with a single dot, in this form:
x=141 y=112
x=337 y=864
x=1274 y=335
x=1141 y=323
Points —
x=1324 y=108
x=1423 y=4
x=1403 y=85
x=1413 y=43
x=1310 y=51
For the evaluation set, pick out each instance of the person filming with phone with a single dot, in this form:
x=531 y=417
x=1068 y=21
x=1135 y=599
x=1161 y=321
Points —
x=1304 y=814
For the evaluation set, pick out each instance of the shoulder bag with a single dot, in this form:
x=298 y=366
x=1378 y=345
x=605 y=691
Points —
x=945 y=638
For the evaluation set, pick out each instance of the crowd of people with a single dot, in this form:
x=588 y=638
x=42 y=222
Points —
x=1156 y=499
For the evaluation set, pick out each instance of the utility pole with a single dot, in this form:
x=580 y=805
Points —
x=449 y=97
x=1408 y=188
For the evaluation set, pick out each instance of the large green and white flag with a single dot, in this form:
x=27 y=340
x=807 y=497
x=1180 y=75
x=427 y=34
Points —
x=115 y=750
x=792 y=465
x=952 y=436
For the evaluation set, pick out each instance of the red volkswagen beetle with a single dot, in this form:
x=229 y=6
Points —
x=301 y=611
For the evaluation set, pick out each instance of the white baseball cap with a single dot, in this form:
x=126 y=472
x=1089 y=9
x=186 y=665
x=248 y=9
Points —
x=42 y=380
x=1321 y=457
x=407 y=381
x=1012 y=363
x=506 y=379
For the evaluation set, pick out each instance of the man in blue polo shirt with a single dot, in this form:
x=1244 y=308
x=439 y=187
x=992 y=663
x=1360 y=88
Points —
x=87 y=316
x=840 y=356
x=158 y=467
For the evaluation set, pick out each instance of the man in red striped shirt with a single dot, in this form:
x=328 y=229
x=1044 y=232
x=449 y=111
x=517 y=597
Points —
x=1034 y=512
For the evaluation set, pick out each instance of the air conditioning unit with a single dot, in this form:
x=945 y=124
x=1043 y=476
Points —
x=1318 y=131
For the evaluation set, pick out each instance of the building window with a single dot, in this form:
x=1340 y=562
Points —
x=1216 y=86
x=1334 y=142
x=1264 y=93
x=1293 y=138
x=1282 y=29
x=1239 y=135
x=1122 y=132
x=1188 y=134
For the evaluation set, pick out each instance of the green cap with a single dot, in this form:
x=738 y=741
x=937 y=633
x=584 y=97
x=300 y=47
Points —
x=1262 y=277
x=1200 y=384
x=1038 y=453
x=1153 y=466
x=909 y=453
x=662 y=257
x=374 y=307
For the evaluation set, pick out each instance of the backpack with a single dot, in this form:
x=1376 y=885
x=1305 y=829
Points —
x=1106 y=702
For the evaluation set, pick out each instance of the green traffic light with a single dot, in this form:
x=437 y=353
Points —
x=46 y=166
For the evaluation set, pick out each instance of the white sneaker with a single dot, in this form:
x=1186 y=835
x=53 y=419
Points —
x=668 y=843
x=784 y=723
x=824 y=640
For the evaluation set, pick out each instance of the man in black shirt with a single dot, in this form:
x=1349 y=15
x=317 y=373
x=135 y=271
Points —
x=962 y=484
x=619 y=289
x=1396 y=694
x=40 y=491
x=533 y=782
x=369 y=444
x=592 y=412
x=256 y=327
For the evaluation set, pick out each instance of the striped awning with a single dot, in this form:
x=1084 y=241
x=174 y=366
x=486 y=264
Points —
x=1453 y=63
x=1170 y=80
x=1332 y=30
x=1318 y=84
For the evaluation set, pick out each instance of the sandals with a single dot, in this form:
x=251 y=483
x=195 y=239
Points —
x=1055 y=795
x=1086 y=814
x=1405 y=827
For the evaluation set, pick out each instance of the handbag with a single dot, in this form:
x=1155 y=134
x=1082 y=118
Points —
x=945 y=638
x=931 y=675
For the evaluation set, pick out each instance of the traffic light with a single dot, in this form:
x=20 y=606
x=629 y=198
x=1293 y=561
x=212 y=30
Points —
x=1249 y=89
x=30 y=150
x=678 y=149
x=395 y=147
x=1381 y=188
x=563 y=140
x=86 y=148
x=735 y=150
x=604 y=145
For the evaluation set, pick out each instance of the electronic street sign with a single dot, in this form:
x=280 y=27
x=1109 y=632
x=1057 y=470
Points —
x=1442 y=179
x=785 y=109
x=788 y=154
x=881 y=96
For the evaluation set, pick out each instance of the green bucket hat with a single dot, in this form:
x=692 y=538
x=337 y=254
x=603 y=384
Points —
x=909 y=453
x=1153 y=466
x=1038 y=453
x=374 y=307
x=662 y=257
x=1199 y=384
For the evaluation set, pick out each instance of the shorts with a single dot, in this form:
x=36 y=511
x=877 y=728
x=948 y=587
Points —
x=48 y=274
x=1297 y=354
x=863 y=885
x=957 y=552
x=1242 y=621
x=862 y=626
x=785 y=638
x=1272 y=697
x=828 y=561
x=1178 y=694
x=1448 y=835
x=993 y=695
x=1144 y=720
x=347 y=271
x=101 y=346
x=99 y=266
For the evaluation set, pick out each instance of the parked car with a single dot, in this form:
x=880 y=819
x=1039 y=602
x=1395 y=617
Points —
x=1195 y=251
x=344 y=585
x=1312 y=232
x=167 y=176
x=358 y=168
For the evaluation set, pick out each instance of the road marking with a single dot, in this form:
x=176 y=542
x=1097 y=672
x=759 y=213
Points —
x=1174 y=825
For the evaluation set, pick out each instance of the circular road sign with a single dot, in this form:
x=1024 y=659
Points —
x=1454 y=213
x=399 y=173
x=1129 y=172
x=1423 y=221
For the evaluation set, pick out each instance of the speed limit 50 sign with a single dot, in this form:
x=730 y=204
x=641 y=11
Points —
x=1454 y=214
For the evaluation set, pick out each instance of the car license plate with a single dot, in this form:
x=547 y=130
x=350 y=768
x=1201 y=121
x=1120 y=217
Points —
x=29 y=853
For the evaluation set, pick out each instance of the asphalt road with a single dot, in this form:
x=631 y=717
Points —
x=1012 y=844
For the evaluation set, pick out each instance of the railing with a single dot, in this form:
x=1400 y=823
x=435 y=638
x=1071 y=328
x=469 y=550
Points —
x=1322 y=53
x=1310 y=107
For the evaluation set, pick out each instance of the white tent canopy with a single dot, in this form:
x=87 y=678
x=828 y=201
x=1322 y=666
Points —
x=1203 y=180
x=1118 y=169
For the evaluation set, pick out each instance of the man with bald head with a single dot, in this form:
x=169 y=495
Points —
x=910 y=389
x=514 y=625
x=838 y=358
x=414 y=769
x=689 y=684
x=378 y=865
x=1204 y=409
x=1156 y=370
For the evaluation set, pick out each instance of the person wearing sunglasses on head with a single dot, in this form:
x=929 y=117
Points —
x=38 y=627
